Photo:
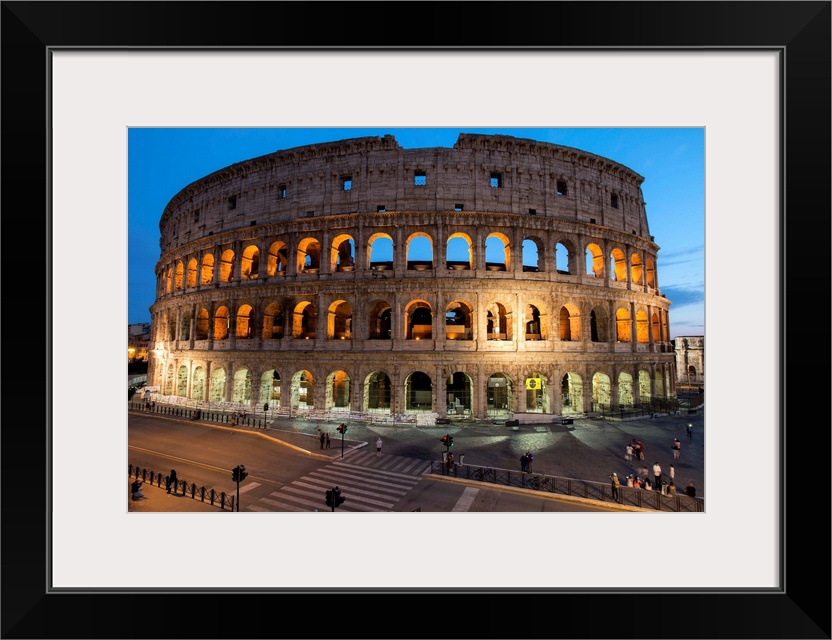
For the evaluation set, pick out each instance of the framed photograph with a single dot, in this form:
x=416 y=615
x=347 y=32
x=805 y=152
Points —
x=77 y=76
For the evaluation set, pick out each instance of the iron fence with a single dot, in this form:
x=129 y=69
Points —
x=599 y=491
x=657 y=405
x=232 y=418
x=215 y=498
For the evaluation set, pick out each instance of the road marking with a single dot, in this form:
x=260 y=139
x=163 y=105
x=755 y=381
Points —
x=282 y=505
x=376 y=472
x=249 y=486
x=466 y=499
x=350 y=493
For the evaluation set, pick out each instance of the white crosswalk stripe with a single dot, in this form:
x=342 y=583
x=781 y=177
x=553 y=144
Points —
x=366 y=488
x=466 y=499
x=401 y=464
x=248 y=486
x=255 y=507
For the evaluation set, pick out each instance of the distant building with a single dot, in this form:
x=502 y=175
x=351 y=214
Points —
x=138 y=341
x=690 y=359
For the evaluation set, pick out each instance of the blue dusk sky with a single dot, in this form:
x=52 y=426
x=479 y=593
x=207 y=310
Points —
x=162 y=161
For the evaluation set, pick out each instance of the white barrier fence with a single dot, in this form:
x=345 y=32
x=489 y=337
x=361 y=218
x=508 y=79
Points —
x=421 y=418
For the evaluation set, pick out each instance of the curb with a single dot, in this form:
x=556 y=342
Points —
x=542 y=494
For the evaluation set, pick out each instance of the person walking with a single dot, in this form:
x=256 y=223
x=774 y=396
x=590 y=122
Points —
x=172 y=480
x=378 y=447
x=690 y=431
x=677 y=449
x=640 y=448
x=322 y=438
x=327 y=440
x=657 y=476
x=628 y=453
x=614 y=484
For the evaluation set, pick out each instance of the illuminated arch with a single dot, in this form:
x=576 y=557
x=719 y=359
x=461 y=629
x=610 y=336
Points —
x=339 y=321
x=250 y=263
x=309 y=256
x=227 y=266
x=221 y=323
x=342 y=253
x=245 y=322
x=418 y=317
x=304 y=321
x=337 y=391
x=459 y=254
x=192 y=273
x=377 y=389
x=497 y=252
x=207 y=270
x=273 y=321
x=618 y=265
x=594 y=260
x=278 y=259
x=459 y=315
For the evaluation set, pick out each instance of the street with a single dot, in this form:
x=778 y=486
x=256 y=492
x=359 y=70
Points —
x=283 y=478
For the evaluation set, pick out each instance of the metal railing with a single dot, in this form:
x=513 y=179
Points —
x=258 y=421
x=218 y=499
x=600 y=491
x=658 y=405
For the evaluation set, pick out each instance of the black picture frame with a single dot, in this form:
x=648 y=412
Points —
x=799 y=31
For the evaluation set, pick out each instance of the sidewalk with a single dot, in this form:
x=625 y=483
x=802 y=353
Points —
x=158 y=500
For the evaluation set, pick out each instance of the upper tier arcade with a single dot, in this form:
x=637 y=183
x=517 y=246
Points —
x=499 y=174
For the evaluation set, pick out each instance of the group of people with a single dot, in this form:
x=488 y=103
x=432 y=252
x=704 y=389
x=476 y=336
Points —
x=643 y=481
x=526 y=462
x=634 y=450
x=323 y=436
x=171 y=482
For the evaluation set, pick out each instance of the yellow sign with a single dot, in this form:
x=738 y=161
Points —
x=533 y=383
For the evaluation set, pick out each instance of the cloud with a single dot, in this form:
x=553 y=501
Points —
x=682 y=296
x=685 y=255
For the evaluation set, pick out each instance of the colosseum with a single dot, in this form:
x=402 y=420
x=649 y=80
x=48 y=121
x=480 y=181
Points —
x=503 y=278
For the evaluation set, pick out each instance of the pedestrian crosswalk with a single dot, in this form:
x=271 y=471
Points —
x=369 y=484
x=399 y=464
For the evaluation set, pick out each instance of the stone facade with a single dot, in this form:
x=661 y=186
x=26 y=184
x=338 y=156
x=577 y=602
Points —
x=690 y=360
x=497 y=277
